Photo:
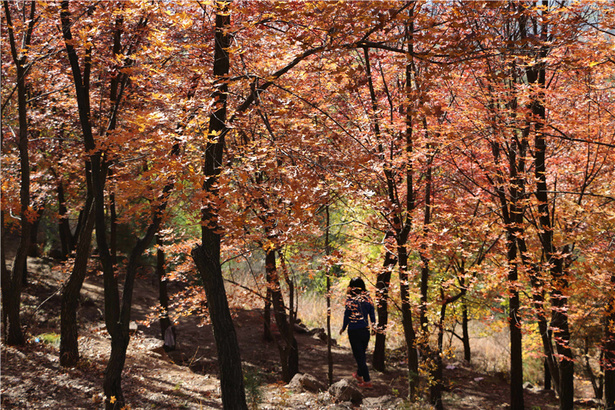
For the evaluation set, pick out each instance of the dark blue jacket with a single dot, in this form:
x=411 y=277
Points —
x=358 y=310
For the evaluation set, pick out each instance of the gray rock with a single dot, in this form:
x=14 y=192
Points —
x=345 y=391
x=307 y=382
x=381 y=403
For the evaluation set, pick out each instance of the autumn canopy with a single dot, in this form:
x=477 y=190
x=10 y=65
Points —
x=458 y=155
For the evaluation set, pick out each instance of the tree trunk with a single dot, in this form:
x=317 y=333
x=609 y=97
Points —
x=465 y=337
x=207 y=259
x=113 y=228
x=267 y=334
x=69 y=345
x=207 y=256
x=383 y=282
x=289 y=352
x=409 y=333
x=112 y=385
x=12 y=282
x=163 y=295
x=328 y=290
x=608 y=361
x=66 y=237
x=514 y=325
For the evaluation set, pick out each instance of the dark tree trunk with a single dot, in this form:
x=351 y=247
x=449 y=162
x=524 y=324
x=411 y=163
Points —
x=328 y=290
x=516 y=347
x=66 y=236
x=608 y=353
x=207 y=259
x=289 y=352
x=409 y=333
x=163 y=295
x=207 y=256
x=112 y=384
x=12 y=282
x=384 y=277
x=547 y=376
x=383 y=282
x=113 y=228
x=117 y=310
x=69 y=346
x=559 y=317
x=267 y=334
x=465 y=337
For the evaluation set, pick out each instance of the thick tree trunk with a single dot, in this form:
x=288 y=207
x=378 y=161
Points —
x=112 y=384
x=69 y=345
x=207 y=259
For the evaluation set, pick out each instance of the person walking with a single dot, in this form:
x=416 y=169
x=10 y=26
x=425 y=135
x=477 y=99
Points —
x=359 y=311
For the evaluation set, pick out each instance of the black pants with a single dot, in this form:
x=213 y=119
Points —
x=359 y=339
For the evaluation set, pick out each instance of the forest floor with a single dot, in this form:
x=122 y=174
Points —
x=187 y=377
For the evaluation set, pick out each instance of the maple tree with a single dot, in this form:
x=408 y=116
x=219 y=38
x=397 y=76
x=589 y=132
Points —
x=471 y=141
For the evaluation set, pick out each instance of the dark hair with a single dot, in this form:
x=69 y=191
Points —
x=357 y=286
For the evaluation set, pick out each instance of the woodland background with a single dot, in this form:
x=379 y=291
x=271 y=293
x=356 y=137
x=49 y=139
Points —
x=459 y=156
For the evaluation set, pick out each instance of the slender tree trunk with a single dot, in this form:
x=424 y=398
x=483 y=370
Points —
x=559 y=316
x=267 y=334
x=382 y=311
x=66 y=237
x=289 y=353
x=384 y=277
x=69 y=345
x=409 y=333
x=465 y=337
x=514 y=325
x=12 y=282
x=163 y=295
x=113 y=228
x=328 y=290
x=608 y=352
